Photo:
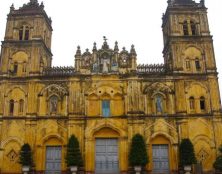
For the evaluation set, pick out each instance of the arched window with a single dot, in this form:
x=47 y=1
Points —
x=21 y=106
x=202 y=103
x=24 y=67
x=193 y=28
x=192 y=103
x=24 y=33
x=53 y=103
x=188 y=64
x=197 y=64
x=15 y=68
x=105 y=108
x=21 y=33
x=159 y=104
x=11 y=107
x=185 y=28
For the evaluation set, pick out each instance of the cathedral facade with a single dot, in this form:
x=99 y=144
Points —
x=106 y=98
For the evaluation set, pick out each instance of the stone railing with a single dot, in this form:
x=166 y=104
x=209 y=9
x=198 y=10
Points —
x=59 y=71
x=151 y=68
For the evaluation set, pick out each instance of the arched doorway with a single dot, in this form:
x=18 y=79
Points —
x=107 y=151
x=53 y=155
x=160 y=153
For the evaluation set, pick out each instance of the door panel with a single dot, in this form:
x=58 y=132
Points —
x=53 y=159
x=106 y=159
x=160 y=159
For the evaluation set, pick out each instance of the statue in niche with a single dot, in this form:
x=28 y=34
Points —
x=53 y=104
x=95 y=67
x=105 y=65
x=159 y=104
x=105 y=62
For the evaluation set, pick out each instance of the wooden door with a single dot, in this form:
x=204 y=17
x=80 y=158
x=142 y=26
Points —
x=53 y=159
x=106 y=157
x=160 y=159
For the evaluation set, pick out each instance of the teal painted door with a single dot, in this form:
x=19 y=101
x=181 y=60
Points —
x=160 y=159
x=106 y=157
x=53 y=159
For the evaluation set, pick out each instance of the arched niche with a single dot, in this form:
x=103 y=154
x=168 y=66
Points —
x=50 y=141
x=163 y=141
x=45 y=97
x=18 y=64
x=16 y=94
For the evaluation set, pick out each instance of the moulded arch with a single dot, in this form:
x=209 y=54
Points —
x=192 y=51
x=19 y=50
x=20 y=56
x=57 y=87
x=106 y=132
x=164 y=134
x=54 y=94
x=51 y=136
x=204 y=138
x=158 y=93
x=10 y=139
x=198 y=84
x=105 y=95
x=91 y=132
x=13 y=88
x=157 y=86
x=22 y=23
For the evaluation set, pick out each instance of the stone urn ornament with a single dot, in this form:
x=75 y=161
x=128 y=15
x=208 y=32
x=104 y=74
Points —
x=137 y=169
x=187 y=169
x=25 y=169
x=73 y=169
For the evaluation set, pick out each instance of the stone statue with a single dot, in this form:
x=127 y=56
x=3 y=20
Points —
x=53 y=104
x=159 y=102
x=105 y=65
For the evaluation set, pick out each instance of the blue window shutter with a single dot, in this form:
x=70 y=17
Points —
x=106 y=108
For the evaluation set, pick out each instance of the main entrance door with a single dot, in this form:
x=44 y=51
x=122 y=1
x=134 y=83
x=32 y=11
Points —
x=106 y=158
x=160 y=159
x=53 y=160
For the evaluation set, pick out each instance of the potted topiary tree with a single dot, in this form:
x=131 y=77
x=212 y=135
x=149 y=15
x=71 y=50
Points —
x=218 y=163
x=187 y=155
x=25 y=158
x=73 y=156
x=138 y=157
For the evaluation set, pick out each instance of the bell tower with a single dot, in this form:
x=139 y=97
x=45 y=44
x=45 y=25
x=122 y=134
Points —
x=26 y=48
x=188 y=44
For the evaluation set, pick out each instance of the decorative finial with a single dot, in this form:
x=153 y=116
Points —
x=124 y=48
x=105 y=39
x=42 y=5
x=12 y=7
x=94 y=47
x=87 y=50
x=78 y=52
x=133 y=51
x=105 y=45
x=116 y=48
x=202 y=2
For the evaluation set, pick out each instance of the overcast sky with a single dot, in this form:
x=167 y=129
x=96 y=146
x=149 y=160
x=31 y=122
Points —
x=138 y=22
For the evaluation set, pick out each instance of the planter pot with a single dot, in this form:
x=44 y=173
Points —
x=73 y=169
x=137 y=169
x=187 y=169
x=25 y=169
